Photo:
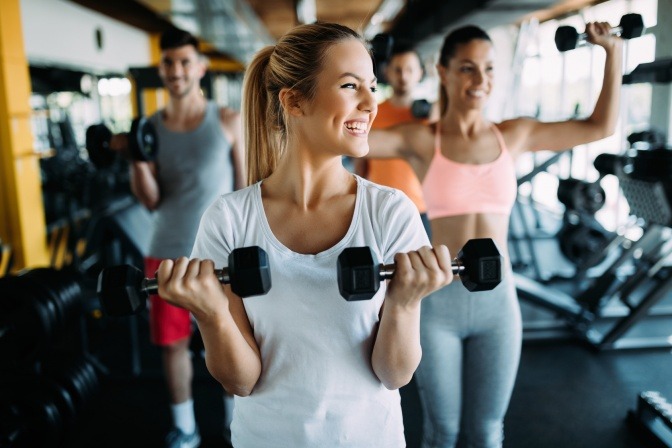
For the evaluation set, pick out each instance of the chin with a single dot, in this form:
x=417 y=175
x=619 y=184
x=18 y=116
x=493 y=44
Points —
x=362 y=152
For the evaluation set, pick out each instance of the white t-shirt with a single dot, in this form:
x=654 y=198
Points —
x=317 y=387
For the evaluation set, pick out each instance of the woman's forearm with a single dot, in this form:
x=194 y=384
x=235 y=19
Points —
x=397 y=351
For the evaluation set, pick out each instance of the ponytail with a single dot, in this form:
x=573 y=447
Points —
x=262 y=154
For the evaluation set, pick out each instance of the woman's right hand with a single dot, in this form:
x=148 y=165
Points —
x=192 y=285
x=419 y=273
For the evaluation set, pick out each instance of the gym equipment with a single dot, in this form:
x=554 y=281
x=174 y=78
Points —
x=142 y=143
x=124 y=291
x=652 y=419
x=612 y=164
x=581 y=237
x=640 y=277
x=630 y=27
x=581 y=196
x=421 y=108
x=42 y=410
x=479 y=265
x=659 y=71
x=649 y=138
x=35 y=308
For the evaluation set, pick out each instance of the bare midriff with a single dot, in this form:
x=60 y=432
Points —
x=455 y=231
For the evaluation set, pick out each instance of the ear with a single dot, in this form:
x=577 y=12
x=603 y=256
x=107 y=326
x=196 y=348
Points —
x=202 y=66
x=290 y=101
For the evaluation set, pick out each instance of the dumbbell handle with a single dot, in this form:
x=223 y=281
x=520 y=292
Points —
x=387 y=270
x=151 y=285
x=583 y=37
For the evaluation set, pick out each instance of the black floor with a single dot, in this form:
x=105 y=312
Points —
x=566 y=395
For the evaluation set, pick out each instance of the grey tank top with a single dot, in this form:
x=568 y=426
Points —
x=193 y=169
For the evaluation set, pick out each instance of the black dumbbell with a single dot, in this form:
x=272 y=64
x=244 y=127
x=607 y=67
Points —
x=421 y=108
x=479 y=265
x=123 y=290
x=142 y=143
x=630 y=27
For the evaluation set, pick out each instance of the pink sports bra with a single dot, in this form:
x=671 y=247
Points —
x=451 y=188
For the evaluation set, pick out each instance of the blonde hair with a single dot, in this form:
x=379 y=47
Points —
x=294 y=62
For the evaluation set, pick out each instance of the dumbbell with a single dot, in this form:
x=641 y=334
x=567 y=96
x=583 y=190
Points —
x=123 y=290
x=630 y=27
x=421 y=108
x=142 y=143
x=479 y=265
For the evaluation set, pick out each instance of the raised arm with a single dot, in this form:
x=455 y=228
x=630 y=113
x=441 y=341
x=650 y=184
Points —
x=534 y=135
x=402 y=141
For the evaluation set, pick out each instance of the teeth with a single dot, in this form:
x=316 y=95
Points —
x=478 y=93
x=356 y=126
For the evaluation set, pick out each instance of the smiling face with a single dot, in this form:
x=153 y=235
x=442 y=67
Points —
x=404 y=72
x=468 y=77
x=181 y=70
x=338 y=118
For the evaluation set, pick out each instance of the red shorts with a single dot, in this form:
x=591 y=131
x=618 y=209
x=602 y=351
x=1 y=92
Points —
x=167 y=323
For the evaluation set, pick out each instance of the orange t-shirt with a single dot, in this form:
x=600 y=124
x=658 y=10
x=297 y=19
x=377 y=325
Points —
x=395 y=173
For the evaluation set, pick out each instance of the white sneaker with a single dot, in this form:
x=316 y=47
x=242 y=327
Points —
x=177 y=439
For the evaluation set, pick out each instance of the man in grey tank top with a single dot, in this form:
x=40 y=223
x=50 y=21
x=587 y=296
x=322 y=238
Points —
x=200 y=157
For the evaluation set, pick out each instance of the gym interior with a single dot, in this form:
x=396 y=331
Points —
x=590 y=238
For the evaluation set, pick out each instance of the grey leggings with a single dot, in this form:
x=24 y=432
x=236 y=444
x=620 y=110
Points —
x=470 y=352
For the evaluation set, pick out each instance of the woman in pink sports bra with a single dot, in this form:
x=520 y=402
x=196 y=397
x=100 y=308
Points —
x=471 y=341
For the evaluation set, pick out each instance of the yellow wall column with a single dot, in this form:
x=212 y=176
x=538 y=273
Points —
x=22 y=222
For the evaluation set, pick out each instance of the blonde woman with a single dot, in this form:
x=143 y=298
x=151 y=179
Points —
x=308 y=368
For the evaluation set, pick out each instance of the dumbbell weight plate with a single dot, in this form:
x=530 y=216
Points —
x=580 y=241
x=98 y=138
x=632 y=26
x=566 y=38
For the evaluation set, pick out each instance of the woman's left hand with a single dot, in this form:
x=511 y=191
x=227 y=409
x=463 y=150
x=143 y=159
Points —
x=419 y=273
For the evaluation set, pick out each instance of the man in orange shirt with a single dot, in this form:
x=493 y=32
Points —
x=403 y=73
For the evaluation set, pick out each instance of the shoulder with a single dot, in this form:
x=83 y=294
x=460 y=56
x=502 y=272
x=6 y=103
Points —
x=234 y=201
x=383 y=198
x=516 y=132
x=228 y=116
x=516 y=126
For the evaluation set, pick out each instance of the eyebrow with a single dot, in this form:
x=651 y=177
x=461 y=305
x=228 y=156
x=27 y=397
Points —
x=469 y=61
x=358 y=78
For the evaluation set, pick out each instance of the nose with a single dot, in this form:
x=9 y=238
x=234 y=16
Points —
x=479 y=77
x=174 y=69
x=368 y=102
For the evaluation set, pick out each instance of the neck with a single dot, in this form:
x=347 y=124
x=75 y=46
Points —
x=401 y=100
x=307 y=179
x=466 y=123
x=190 y=105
